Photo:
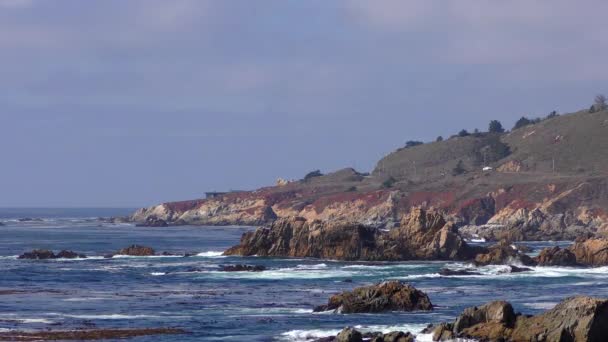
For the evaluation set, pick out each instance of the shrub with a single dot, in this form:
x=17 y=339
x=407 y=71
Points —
x=459 y=169
x=412 y=143
x=552 y=115
x=351 y=189
x=439 y=138
x=524 y=121
x=463 y=133
x=312 y=174
x=389 y=183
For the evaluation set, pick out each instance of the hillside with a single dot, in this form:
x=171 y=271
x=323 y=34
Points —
x=548 y=180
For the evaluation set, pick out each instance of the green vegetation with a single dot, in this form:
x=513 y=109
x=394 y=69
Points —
x=463 y=133
x=389 y=183
x=312 y=174
x=522 y=122
x=495 y=127
x=439 y=138
x=412 y=143
x=459 y=169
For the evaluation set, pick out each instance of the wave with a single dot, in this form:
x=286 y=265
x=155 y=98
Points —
x=211 y=254
x=158 y=273
x=315 y=334
x=541 y=305
x=109 y=316
x=283 y=273
x=9 y=257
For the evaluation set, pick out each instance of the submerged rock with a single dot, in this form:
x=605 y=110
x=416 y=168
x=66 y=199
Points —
x=136 y=250
x=385 y=296
x=446 y=272
x=87 y=334
x=29 y=219
x=153 y=221
x=243 y=268
x=574 y=319
x=422 y=236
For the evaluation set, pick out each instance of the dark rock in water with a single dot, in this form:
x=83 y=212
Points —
x=503 y=253
x=87 y=334
x=574 y=319
x=38 y=254
x=29 y=219
x=423 y=235
x=153 y=221
x=189 y=254
x=347 y=280
x=136 y=250
x=517 y=269
x=65 y=254
x=243 y=268
x=556 y=256
x=1 y=224
x=446 y=272
x=523 y=248
x=385 y=296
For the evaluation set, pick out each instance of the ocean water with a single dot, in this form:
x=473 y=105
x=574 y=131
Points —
x=190 y=293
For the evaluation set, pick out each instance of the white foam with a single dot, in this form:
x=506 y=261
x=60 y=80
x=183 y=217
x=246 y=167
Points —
x=35 y=320
x=314 y=334
x=541 y=305
x=284 y=273
x=211 y=254
x=111 y=316
x=158 y=273
x=9 y=257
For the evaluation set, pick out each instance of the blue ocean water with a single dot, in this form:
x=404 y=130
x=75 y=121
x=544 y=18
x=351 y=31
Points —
x=191 y=293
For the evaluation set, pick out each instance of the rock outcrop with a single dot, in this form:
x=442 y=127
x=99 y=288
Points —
x=385 y=296
x=584 y=252
x=556 y=256
x=503 y=253
x=136 y=250
x=42 y=254
x=575 y=319
x=423 y=235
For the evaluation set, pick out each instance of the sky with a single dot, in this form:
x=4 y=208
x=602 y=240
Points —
x=128 y=103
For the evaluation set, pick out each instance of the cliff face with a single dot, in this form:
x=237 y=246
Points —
x=547 y=182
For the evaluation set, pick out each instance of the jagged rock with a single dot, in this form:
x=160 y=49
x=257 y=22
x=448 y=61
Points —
x=65 y=254
x=243 y=268
x=349 y=335
x=556 y=256
x=136 y=250
x=38 y=254
x=153 y=221
x=385 y=296
x=396 y=336
x=446 y=272
x=502 y=253
x=591 y=252
x=29 y=219
x=422 y=236
x=574 y=319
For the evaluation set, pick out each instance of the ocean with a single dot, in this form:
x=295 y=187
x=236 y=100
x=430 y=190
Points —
x=191 y=293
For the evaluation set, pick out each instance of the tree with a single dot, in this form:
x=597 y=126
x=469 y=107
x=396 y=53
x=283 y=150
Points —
x=495 y=127
x=439 y=138
x=524 y=121
x=600 y=103
x=389 y=182
x=552 y=115
x=463 y=133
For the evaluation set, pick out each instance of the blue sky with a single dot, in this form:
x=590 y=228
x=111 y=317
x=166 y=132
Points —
x=130 y=103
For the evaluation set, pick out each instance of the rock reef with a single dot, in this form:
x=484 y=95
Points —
x=385 y=296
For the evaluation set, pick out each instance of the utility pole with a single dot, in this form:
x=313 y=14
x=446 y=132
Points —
x=414 y=167
x=553 y=164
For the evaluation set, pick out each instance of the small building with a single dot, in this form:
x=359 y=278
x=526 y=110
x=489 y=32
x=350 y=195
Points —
x=487 y=168
x=214 y=194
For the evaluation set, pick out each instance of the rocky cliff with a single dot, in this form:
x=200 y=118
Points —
x=547 y=183
x=421 y=236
